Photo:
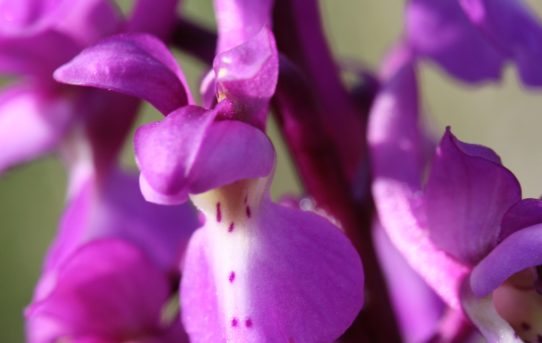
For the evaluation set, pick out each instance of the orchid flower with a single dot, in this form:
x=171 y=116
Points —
x=466 y=231
x=256 y=271
x=129 y=251
x=473 y=39
x=36 y=37
x=120 y=297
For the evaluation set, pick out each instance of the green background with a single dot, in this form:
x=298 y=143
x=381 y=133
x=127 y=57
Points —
x=502 y=116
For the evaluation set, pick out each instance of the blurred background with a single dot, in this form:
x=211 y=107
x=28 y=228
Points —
x=504 y=117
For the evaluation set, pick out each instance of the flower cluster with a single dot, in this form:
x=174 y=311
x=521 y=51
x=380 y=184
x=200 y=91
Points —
x=195 y=250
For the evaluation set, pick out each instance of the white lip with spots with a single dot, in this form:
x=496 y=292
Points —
x=231 y=213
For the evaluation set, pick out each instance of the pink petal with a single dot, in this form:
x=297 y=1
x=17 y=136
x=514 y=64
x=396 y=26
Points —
x=165 y=151
x=466 y=197
x=119 y=294
x=247 y=75
x=32 y=122
x=399 y=210
x=231 y=151
x=395 y=134
x=87 y=21
x=409 y=292
x=240 y=20
x=25 y=17
x=34 y=41
x=37 y=55
x=189 y=153
x=134 y=64
x=260 y=272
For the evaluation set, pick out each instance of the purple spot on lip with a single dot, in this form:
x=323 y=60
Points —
x=231 y=227
x=525 y=326
x=218 y=212
x=248 y=323
x=231 y=277
x=539 y=338
x=249 y=213
x=234 y=322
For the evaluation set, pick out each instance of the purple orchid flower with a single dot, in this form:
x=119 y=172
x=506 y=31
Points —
x=256 y=271
x=36 y=37
x=473 y=39
x=140 y=246
x=467 y=230
x=120 y=297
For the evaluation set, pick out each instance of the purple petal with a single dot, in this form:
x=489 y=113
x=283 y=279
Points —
x=165 y=151
x=119 y=294
x=475 y=150
x=32 y=122
x=189 y=153
x=395 y=139
x=24 y=17
x=231 y=151
x=439 y=30
x=481 y=311
x=37 y=55
x=258 y=272
x=247 y=75
x=134 y=64
x=87 y=21
x=518 y=251
x=33 y=39
x=515 y=31
x=409 y=292
x=394 y=132
x=240 y=20
x=466 y=197
x=156 y=18
x=525 y=213
x=399 y=209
